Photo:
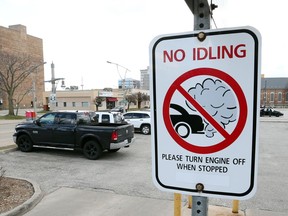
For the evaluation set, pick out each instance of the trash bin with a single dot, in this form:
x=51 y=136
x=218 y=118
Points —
x=33 y=115
x=30 y=115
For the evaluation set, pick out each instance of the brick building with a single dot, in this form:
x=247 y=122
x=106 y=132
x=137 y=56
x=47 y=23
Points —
x=274 y=92
x=16 y=40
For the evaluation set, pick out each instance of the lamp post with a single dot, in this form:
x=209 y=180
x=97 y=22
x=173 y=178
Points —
x=54 y=86
x=123 y=79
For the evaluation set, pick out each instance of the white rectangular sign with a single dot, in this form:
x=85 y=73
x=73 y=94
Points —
x=205 y=108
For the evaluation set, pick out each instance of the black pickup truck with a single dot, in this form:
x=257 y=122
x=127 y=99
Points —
x=73 y=130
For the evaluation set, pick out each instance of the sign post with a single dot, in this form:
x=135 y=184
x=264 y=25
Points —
x=205 y=108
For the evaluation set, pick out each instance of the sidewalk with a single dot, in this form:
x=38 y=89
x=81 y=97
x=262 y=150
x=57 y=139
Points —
x=84 y=202
x=76 y=202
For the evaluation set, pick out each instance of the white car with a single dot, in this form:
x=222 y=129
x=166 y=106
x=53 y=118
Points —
x=107 y=117
x=140 y=119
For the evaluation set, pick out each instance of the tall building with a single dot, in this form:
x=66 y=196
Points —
x=145 y=77
x=129 y=83
x=16 y=40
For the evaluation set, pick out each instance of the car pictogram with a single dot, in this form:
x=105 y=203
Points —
x=185 y=123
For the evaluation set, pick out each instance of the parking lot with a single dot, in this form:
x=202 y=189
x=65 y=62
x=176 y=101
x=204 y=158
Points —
x=128 y=172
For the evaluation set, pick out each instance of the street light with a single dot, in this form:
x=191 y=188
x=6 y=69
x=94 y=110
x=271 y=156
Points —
x=126 y=69
x=54 y=86
x=123 y=79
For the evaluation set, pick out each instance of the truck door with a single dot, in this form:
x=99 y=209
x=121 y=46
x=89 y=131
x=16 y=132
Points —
x=43 y=132
x=64 y=130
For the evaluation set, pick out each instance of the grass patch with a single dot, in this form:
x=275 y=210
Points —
x=11 y=117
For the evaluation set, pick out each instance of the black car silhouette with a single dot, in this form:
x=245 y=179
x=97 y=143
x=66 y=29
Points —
x=185 y=123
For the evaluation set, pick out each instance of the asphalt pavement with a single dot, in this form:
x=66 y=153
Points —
x=86 y=202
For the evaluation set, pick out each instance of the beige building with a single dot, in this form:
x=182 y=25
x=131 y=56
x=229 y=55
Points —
x=16 y=40
x=84 y=99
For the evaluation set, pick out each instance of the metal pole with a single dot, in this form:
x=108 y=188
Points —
x=53 y=89
x=201 y=11
x=199 y=206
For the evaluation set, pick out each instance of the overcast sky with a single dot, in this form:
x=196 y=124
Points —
x=81 y=36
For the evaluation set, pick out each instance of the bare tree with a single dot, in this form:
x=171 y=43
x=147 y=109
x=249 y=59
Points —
x=14 y=70
x=131 y=99
x=21 y=93
x=141 y=97
x=98 y=102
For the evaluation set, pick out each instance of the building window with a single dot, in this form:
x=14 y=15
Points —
x=56 y=104
x=85 y=104
x=64 y=104
x=265 y=97
x=272 y=96
x=279 y=96
x=286 y=99
x=73 y=104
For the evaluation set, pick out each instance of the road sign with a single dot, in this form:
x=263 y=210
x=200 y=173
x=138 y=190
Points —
x=205 y=109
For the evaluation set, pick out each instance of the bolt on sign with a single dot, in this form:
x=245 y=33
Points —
x=205 y=108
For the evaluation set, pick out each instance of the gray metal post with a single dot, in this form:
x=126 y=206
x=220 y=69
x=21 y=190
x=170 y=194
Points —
x=201 y=11
x=199 y=206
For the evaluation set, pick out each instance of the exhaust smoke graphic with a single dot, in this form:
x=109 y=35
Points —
x=218 y=100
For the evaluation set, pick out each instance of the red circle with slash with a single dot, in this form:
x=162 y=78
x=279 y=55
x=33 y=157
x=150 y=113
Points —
x=228 y=138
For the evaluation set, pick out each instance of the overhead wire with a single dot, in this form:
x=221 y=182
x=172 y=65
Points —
x=213 y=7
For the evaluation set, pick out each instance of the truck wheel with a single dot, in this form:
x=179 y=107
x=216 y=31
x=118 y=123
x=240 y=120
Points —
x=145 y=129
x=24 y=143
x=92 y=150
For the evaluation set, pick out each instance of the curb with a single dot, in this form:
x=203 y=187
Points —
x=8 y=148
x=28 y=204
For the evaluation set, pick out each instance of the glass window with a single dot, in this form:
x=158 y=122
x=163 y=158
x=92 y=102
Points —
x=272 y=96
x=83 y=118
x=105 y=118
x=145 y=115
x=128 y=116
x=73 y=104
x=286 y=99
x=47 y=119
x=279 y=96
x=85 y=104
x=64 y=104
x=65 y=118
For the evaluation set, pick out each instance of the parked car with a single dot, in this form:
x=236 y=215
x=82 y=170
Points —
x=107 y=117
x=118 y=109
x=268 y=111
x=185 y=122
x=73 y=130
x=140 y=119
